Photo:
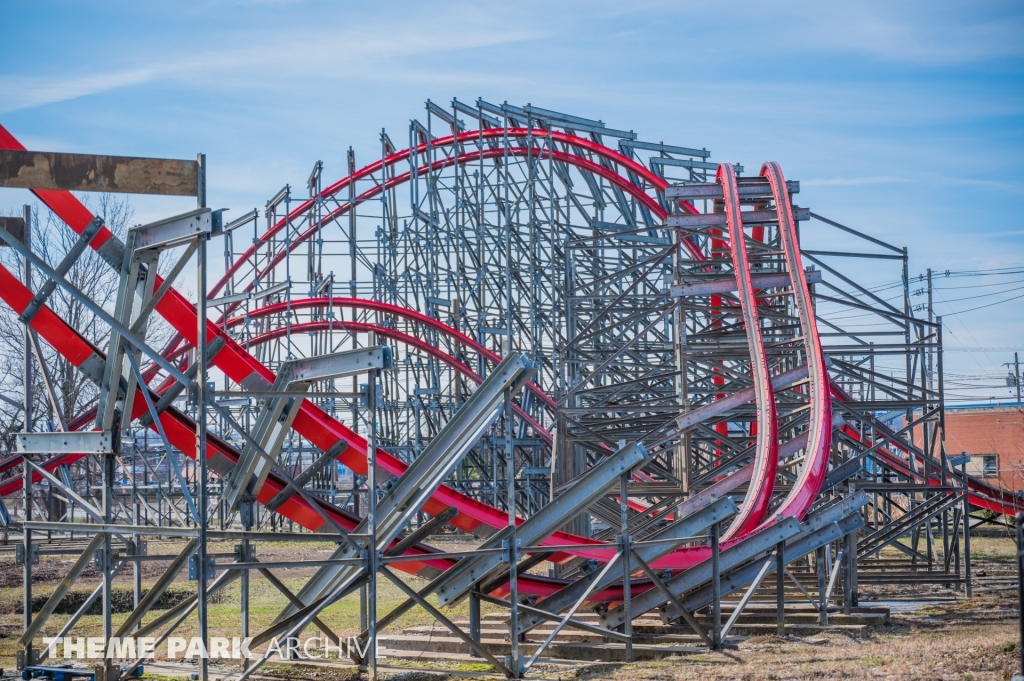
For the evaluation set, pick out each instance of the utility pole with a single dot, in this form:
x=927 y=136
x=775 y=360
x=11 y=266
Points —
x=1014 y=378
x=1016 y=374
x=930 y=319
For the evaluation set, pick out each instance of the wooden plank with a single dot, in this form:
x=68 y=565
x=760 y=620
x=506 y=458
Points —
x=89 y=172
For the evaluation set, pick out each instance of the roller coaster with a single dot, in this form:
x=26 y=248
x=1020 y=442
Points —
x=607 y=357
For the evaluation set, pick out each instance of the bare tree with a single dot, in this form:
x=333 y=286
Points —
x=51 y=241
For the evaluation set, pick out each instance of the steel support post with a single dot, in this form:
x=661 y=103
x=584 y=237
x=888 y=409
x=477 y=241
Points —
x=371 y=524
x=27 y=567
x=627 y=625
x=135 y=549
x=967 y=534
x=246 y=513
x=106 y=553
x=716 y=588
x=363 y=622
x=474 y=619
x=849 y=573
x=201 y=404
x=1020 y=586
x=27 y=377
x=821 y=568
x=780 y=588
x=514 y=663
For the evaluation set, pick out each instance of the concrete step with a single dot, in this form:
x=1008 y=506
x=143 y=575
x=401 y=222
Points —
x=750 y=615
x=809 y=618
x=600 y=652
x=501 y=633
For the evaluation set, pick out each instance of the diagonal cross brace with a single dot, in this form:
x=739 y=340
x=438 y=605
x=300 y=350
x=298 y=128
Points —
x=277 y=415
x=61 y=591
x=458 y=580
x=747 y=549
x=325 y=459
x=689 y=526
x=427 y=472
x=454 y=584
x=796 y=547
x=72 y=256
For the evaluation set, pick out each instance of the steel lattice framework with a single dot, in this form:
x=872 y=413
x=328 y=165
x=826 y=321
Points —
x=559 y=306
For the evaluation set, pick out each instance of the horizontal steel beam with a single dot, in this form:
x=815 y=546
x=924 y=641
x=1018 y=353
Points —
x=111 y=528
x=738 y=398
x=97 y=173
x=667 y=148
x=707 y=287
x=94 y=442
x=719 y=219
x=177 y=230
x=713 y=190
x=338 y=364
x=249 y=295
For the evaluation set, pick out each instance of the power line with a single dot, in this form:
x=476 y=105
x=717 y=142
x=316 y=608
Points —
x=981 y=307
x=984 y=295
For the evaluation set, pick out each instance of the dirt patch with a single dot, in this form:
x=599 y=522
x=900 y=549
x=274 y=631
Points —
x=318 y=672
x=122 y=600
x=44 y=572
x=973 y=640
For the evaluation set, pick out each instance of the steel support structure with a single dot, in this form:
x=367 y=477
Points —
x=611 y=356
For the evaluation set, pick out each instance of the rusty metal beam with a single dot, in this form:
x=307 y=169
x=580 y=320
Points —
x=13 y=226
x=97 y=173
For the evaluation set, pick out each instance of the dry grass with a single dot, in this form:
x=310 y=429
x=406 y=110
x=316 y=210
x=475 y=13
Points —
x=962 y=640
x=265 y=602
x=943 y=644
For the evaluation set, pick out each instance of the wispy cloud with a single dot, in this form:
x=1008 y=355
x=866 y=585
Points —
x=1012 y=232
x=851 y=181
x=250 y=60
x=18 y=92
x=921 y=32
x=1012 y=186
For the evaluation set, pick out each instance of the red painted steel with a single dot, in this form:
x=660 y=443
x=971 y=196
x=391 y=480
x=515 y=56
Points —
x=387 y=308
x=316 y=426
x=368 y=171
x=766 y=457
x=981 y=494
x=819 y=437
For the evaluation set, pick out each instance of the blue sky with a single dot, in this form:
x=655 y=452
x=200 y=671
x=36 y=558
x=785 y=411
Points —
x=903 y=119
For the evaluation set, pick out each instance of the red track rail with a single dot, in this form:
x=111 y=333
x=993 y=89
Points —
x=819 y=438
x=980 y=493
x=766 y=457
x=315 y=425
x=368 y=171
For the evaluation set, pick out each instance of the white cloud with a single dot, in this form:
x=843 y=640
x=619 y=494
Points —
x=324 y=53
x=851 y=181
x=24 y=93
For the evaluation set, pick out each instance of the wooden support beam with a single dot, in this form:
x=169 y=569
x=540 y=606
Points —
x=97 y=173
